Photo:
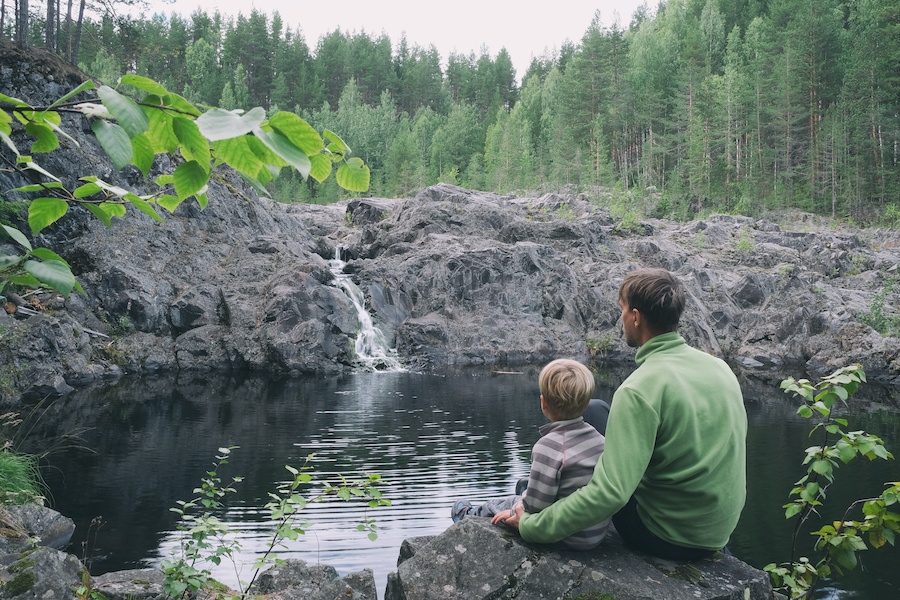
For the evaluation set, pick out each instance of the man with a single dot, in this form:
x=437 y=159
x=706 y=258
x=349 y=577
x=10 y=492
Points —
x=673 y=473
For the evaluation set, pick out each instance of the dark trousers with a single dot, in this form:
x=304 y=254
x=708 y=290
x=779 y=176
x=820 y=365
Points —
x=636 y=535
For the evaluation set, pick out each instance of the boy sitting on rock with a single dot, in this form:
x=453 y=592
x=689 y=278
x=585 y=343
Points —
x=562 y=460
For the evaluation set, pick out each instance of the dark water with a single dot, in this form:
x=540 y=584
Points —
x=432 y=437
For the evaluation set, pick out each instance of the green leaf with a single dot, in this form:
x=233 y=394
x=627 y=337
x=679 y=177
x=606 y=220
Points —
x=283 y=147
x=45 y=139
x=237 y=154
x=7 y=261
x=39 y=187
x=143 y=206
x=321 y=167
x=87 y=190
x=47 y=254
x=299 y=132
x=353 y=175
x=13 y=101
x=53 y=273
x=143 y=153
x=160 y=134
x=169 y=202
x=791 y=510
x=193 y=145
x=219 y=124
x=43 y=212
x=115 y=142
x=335 y=144
x=5 y=122
x=17 y=236
x=144 y=83
x=190 y=177
x=129 y=115
x=87 y=85
x=25 y=280
x=106 y=211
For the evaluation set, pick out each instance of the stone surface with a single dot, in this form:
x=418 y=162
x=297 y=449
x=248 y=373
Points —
x=29 y=524
x=454 y=276
x=475 y=560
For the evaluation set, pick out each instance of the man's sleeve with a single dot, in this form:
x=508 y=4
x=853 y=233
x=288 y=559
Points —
x=631 y=435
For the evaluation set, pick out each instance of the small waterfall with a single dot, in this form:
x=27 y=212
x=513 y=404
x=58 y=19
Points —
x=372 y=349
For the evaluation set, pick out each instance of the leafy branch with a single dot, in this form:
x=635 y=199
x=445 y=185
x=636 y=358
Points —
x=135 y=132
x=208 y=540
x=838 y=542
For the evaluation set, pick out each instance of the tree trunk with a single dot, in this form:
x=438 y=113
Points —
x=78 y=29
x=69 y=32
x=22 y=23
x=49 y=34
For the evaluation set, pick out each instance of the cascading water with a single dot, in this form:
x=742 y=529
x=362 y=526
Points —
x=372 y=348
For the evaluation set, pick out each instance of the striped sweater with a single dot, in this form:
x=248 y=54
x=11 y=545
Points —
x=562 y=461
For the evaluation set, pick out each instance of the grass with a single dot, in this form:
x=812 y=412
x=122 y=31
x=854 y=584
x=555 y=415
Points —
x=20 y=480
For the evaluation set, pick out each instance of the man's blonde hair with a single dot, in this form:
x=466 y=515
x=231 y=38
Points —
x=566 y=386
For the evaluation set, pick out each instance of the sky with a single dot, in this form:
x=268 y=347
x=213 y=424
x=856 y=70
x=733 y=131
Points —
x=461 y=26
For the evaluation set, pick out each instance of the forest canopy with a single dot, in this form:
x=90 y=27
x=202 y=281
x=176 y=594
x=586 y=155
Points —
x=697 y=106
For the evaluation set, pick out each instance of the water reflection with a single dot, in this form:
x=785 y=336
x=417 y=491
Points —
x=432 y=438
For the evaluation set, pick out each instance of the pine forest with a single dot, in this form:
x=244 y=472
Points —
x=693 y=106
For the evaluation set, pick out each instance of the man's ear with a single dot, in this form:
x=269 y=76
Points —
x=638 y=317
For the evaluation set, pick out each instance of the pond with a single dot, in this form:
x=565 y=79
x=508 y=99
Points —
x=145 y=443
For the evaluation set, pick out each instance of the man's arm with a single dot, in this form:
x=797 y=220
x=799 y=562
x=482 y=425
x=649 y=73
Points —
x=629 y=446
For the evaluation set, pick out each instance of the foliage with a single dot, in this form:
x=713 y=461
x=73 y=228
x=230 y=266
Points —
x=19 y=478
x=133 y=133
x=880 y=317
x=207 y=540
x=600 y=345
x=838 y=542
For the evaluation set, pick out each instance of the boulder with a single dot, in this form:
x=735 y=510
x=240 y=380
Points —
x=476 y=560
x=26 y=525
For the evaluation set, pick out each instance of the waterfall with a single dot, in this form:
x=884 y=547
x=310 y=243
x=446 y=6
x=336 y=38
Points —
x=372 y=348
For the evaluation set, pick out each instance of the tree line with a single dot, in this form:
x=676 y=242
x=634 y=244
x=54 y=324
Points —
x=697 y=106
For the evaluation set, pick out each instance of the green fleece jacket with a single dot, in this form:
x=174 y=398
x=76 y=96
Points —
x=676 y=440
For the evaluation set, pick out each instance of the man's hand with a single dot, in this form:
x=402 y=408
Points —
x=510 y=517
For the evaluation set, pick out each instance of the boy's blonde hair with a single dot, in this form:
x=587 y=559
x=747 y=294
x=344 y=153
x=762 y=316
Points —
x=566 y=386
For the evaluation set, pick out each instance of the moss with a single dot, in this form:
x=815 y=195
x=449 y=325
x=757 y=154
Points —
x=19 y=584
x=20 y=565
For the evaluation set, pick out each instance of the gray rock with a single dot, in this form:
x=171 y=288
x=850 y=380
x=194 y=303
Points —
x=28 y=525
x=298 y=580
x=45 y=573
x=132 y=584
x=474 y=559
x=454 y=276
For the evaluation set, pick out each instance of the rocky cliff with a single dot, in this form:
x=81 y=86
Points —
x=454 y=276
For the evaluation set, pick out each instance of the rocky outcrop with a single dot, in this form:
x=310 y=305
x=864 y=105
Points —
x=476 y=560
x=472 y=559
x=454 y=276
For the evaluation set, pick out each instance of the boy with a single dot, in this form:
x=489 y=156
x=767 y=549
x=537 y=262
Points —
x=563 y=459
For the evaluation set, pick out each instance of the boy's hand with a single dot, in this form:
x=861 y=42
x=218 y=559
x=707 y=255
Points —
x=510 y=517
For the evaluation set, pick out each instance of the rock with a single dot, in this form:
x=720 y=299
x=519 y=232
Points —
x=132 y=584
x=298 y=580
x=453 y=276
x=25 y=525
x=45 y=573
x=474 y=559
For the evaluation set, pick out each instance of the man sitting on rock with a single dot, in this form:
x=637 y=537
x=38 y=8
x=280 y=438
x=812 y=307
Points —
x=673 y=473
x=562 y=460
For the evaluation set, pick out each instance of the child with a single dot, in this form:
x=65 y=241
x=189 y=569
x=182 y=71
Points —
x=563 y=460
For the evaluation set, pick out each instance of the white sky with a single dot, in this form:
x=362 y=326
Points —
x=525 y=29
